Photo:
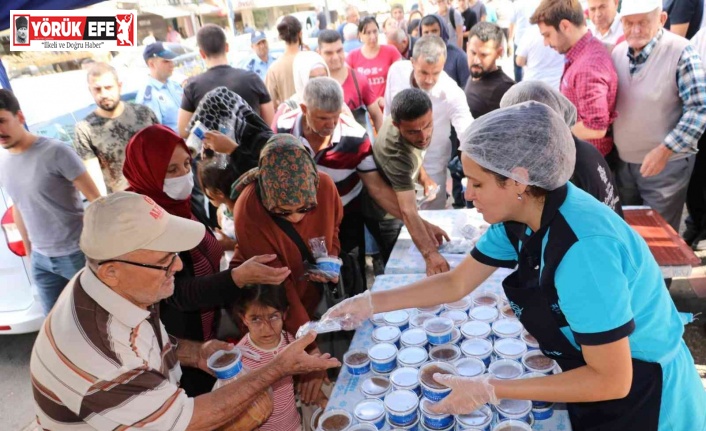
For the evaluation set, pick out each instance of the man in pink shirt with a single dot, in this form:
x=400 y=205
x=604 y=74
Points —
x=589 y=80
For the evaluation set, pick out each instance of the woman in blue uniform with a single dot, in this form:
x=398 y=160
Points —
x=585 y=285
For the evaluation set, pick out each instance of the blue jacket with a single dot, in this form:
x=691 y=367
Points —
x=456 y=65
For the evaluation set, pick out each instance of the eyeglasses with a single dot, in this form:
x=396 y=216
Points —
x=299 y=211
x=259 y=321
x=166 y=269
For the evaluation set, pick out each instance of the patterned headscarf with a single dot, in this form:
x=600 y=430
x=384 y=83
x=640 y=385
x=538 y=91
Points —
x=286 y=174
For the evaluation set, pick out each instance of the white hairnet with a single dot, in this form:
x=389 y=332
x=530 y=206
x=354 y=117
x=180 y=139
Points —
x=528 y=143
x=539 y=91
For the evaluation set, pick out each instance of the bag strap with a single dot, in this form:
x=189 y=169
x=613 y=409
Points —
x=452 y=17
x=357 y=89
x=288 y=229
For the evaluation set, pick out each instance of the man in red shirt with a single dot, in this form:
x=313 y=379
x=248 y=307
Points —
x=589 y=81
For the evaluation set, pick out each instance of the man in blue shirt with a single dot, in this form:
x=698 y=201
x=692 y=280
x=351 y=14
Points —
x=260 y=60
x=161 y=94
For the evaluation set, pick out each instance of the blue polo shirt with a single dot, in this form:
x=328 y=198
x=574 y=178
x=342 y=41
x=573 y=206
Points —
x=609 y=287
x=162 y=98
x=254 y=64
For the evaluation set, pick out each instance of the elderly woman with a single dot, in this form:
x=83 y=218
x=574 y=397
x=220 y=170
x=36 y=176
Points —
x=158 y=165
x=585 y=285
x=591 y=172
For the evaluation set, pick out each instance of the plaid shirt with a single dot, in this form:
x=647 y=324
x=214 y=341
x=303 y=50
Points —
x=691 y=82
x=591 y=84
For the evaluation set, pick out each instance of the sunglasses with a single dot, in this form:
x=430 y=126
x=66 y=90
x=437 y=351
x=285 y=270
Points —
x=299 y=211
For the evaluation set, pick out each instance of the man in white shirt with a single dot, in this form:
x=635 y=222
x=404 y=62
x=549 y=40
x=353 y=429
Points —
x=539 y=62
x=426 y=71
x=519 y=24
x=605 y=22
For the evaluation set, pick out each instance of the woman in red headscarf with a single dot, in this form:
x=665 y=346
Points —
x=158 y=165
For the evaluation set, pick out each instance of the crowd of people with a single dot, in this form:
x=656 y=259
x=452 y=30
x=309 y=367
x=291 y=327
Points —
x=307 y=154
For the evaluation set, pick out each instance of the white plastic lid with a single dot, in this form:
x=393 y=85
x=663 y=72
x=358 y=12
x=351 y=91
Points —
x=412 y=355
x=382 y=351
x=398 y=317
x=469 y=367
x=418 y=319
x=484 y=313
x=401 y=400
x=414 y=337
x=506 y=369
x=462 y=304
x=512 y=425
x=374 y=386
x=477 y=418
x=386 y=333
x=424 y=405
x=369 y=410
x=510 y=347
x=458 y=316
x=542 y=364
x=507 y=327
x=438 y=325
x=475 y=328
x=451 y=350
x=405 y=377
x=514 y=407
x=477 y=347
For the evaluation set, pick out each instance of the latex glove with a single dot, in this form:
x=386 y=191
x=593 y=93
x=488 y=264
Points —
x=467 y=394
x=352 y=312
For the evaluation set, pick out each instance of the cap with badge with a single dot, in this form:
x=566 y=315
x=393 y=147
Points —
x=257 y=37
x=634 y=7
x=158 y=49
x=124 y=222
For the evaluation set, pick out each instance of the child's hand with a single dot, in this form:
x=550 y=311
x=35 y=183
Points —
x=322 y=401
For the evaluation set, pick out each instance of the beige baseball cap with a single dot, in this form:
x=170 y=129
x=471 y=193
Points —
x=634 y=7
x=123 y=222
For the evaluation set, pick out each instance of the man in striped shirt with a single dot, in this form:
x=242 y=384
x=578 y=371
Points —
x=104 y=361
x=342 y=150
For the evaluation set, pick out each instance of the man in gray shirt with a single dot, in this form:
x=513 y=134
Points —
x=43 y=177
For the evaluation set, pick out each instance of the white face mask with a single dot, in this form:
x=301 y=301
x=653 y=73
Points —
x=179 y=188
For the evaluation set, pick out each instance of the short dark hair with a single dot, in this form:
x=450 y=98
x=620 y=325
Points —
x=289 y=29
x=409 y=104
x=266 y=295
x=365 y=21
x=8 y=102
x=213 y=175
x=430 y=20
x=552 y=12
x=532 y=191
x=329 y=36
x=100 y=68
x=413 y=25
x=486 y=31
x=211 y=40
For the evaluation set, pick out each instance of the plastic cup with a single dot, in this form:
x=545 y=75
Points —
x=329 y=264
x=412 y=357
x=480 y=419
x=464 y=304
x=406 y=378
x=383 y=357
x=378 y=320
x=432 y=420
x=506 y=311
x=506 y=369
x=399 y=318
x=357 y=362
x=469 y=367
x=439 y=330
x=512 y=425
x=484 y=313
x=435 y=309
x=370 y=411
x=514 y=409
x=510 y=348
x=529 y=339
x=363 y=427
x=335 y=420
x=456 y=337
x=475 y=329
x=535 y=362
x=543 y=413
x=401 y=407
x=485 y=299
x=478 y=348
x=414 y=337
x=314 y=421
x=226 y=363
x=431 y=389
x=417 y=320
x=507 y=328
x=445 y=353
x=412 y=427
x=375 y=387
x=459 y=317
x=387 y=334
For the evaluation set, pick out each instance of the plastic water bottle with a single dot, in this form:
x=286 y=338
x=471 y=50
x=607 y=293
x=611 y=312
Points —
x=196 y=137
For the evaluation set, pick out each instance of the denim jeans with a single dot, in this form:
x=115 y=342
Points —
x=52 y=274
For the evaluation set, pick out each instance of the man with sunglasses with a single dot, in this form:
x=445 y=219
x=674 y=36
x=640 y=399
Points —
x=103 y=358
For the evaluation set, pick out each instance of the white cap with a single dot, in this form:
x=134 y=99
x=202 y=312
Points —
x=124 y=222
x=634 y=7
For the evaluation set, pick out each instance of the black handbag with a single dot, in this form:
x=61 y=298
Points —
x=360 y=113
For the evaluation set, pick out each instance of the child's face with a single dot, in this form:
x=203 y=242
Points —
x=265 y=325
x=216 y=197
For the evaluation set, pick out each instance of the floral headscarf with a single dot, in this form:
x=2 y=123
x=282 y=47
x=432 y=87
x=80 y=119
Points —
x=286 y=175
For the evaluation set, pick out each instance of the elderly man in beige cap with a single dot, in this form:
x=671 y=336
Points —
x=661 y=109
x=104 y=361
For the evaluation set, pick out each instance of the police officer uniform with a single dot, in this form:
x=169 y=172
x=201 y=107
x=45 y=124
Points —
x=253 y=63
x=164 y=98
